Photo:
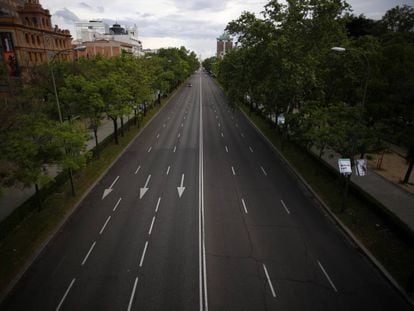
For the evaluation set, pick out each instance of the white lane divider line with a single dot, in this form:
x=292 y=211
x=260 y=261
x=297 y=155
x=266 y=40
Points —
x=158 y=204
x=251 y=149
x=175 y=148
x=168 y=170
x=182 y=125
x=106 y=222
x=222 y=135
x=158 y=135
x=227 y=149
x=216 y=117
x=116 y=205
x=138 y=168
x=242 y=135
x=284 y=205
x=327 y=276
x=237 y=125
x=232 y=169
x=219 y=125
x=132 y=294
x=163 y=125
x=150 y=148
x=152 y=224
x=269 y=281
x=179 y=135
x=143 y=254
x=89 y=252
x=263 y=170
x=66 y=293
x=244 y=206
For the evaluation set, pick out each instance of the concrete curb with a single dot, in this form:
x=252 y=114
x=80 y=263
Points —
x=62 y=223
x=341 y=225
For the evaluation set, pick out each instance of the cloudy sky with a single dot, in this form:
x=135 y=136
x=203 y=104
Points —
x=194 y=24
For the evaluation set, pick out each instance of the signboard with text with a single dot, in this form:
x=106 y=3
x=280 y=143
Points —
x=345 y=166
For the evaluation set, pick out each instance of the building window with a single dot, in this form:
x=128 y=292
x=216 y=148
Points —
x=38 y=40
x=33 y=40
x=27 y=38
x=34 y=20
x=27 y=21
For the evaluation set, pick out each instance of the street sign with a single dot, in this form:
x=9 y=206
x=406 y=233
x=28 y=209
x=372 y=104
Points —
x=361 y=167
x=345 y=166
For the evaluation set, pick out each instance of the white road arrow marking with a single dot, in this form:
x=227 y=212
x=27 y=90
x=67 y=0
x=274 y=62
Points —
x=181 y=188
x=143 y=190
x=109 y=190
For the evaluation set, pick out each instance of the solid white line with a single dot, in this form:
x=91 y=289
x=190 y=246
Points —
x=251 y=150
x=150 y=148
x=244 y=206
x=103 y=227
x=263 y=170
x=87 y=255
x=175 y=148
x=168 y=170
x=158 y=204
x=227 y=149
x=113 y=183
x=139 y=167
x=152 y=224
x=143 y=254
x=222 y=135
x=232 y=169
x=269 y=281
x=201 y=228
x=66 y=293
x=284 y=205
x=327 y=276
x=117 y=203
x=132 y=294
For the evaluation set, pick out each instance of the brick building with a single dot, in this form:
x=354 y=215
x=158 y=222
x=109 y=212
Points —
x=27 y=38
x=105 y=47
x=224 y=44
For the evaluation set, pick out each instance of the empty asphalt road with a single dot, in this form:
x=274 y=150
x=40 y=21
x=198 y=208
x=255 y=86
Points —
x=200 y=214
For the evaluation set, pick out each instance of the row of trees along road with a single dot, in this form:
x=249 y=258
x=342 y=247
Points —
x=31 y=137
x=284 y=64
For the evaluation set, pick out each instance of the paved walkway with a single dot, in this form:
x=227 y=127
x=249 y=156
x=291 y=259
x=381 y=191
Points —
x=14 y=197
x=397 y=200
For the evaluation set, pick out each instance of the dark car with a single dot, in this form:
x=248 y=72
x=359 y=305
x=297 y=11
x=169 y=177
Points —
x=189 y=85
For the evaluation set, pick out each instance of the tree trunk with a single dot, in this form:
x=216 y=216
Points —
x=95 y=133
x=115 y=130
x=122 y=126
x=38 y=201
x=409 y=170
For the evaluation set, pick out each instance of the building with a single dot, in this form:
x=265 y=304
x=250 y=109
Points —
x=224 y=44
x=89 y=32
x=106 y=48
x=27 y=38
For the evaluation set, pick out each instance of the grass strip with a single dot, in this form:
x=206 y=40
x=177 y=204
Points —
x=379 y=235
x=19 y=245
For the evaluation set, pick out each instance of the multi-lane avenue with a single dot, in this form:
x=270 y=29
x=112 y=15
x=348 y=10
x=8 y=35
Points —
x=199 y=213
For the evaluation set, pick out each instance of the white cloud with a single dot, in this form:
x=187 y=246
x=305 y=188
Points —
x=192 y=23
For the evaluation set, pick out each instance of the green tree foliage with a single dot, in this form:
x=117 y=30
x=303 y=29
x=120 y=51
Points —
x=348 y=102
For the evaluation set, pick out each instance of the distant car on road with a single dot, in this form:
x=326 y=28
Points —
x=189 y=85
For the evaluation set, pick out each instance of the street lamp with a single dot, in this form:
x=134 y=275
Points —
x=339 y=49
x=78 y=48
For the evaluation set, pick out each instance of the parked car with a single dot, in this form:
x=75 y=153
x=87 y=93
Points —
x=189 y=85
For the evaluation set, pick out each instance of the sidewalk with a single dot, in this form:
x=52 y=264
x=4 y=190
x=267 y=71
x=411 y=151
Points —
x=15 y=196
x=395 y=199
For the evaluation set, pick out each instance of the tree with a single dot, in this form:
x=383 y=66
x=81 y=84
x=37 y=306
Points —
x=399 y=19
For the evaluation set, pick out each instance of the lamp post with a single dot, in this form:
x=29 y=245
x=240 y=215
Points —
x=364 y=56
x=78 y=48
